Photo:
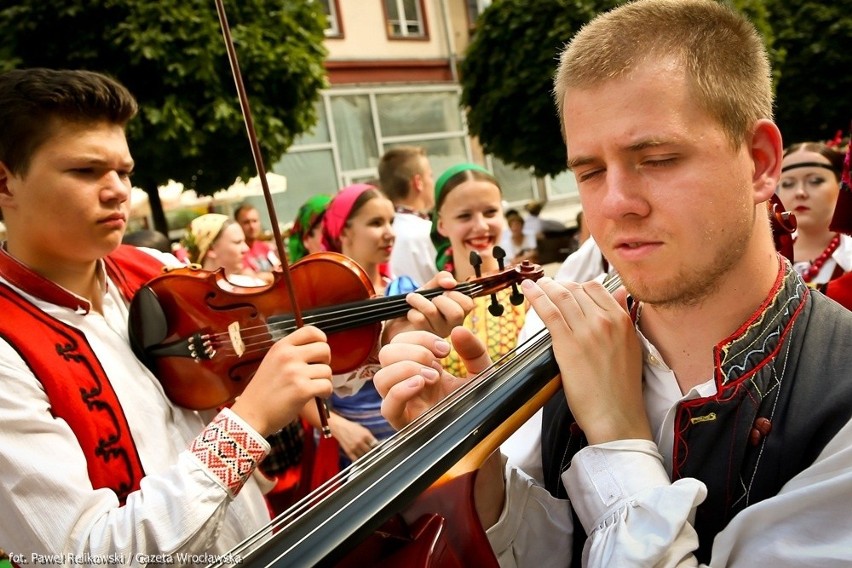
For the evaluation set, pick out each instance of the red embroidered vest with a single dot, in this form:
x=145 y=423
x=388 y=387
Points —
x=75 y=382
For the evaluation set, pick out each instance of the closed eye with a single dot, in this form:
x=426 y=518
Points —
x=659 y=163
x=588 y=175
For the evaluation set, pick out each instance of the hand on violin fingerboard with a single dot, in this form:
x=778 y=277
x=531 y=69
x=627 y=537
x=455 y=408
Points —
x=295 y=370
x=439 y=315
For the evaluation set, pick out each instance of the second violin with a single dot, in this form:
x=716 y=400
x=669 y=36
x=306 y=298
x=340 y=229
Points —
x=204 y=338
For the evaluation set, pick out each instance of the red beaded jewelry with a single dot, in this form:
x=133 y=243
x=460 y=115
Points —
x=816 y=264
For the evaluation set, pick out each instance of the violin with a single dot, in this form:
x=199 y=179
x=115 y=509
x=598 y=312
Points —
x=204 y=337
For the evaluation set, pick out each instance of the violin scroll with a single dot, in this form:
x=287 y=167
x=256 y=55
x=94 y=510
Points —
x=783 y=226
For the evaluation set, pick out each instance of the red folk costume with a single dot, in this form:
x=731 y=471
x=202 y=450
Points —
x=840 y=289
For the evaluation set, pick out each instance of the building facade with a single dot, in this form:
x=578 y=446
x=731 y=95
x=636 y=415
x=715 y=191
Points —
x=392 y=70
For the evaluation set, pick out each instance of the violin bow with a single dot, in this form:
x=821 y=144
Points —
x=322 y=407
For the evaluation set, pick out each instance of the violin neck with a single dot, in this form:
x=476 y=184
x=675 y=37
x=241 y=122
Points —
x=351 y=315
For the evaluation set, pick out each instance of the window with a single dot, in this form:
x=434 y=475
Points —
x=356 y=125
x=405 y=18
x=332 y=11
x=475 y=8
x=518 y=184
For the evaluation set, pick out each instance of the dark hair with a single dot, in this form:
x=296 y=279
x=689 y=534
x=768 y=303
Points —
x=460 y=178
x=513 y=213
x=396 y=168
x=148 y=238
x=33 y=100
x=835 y=157
x=361 y=200
x=241 y=208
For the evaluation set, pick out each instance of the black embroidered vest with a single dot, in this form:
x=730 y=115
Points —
x=784 y=391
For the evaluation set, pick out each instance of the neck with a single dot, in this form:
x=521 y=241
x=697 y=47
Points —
x=82 y=279
x=810 y=244
x=373 y=274
x=415 y=205
x=686 y=335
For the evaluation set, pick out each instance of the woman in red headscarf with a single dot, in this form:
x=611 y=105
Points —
x=358 y=224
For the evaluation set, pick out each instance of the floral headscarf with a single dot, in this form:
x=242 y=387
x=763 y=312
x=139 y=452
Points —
x=202 y=233
x=310 y=215
x=444 y=258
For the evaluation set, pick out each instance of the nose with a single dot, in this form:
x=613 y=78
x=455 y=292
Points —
x=480 y=222
x=623 y=194
x=116 y=187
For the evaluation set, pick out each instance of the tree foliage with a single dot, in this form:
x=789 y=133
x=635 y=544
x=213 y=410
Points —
x=507 y=71
x=171 y=55
x=507 y=78
x=813 y=97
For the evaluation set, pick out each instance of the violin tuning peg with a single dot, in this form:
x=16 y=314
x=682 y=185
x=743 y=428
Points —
x=516 y=298
x=476 y=263
x=494 y=308
x=499 y=256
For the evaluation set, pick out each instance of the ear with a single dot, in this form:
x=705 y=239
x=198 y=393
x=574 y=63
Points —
x=440 y=228
x=345 y=237
x=417 y=182
x=5 y=192
x=766 y=149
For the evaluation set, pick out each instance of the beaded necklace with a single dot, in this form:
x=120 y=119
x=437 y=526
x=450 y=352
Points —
x=410 y=211
x=818 y=262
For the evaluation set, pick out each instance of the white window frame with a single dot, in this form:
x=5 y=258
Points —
x=334 y=28
x=405 y=19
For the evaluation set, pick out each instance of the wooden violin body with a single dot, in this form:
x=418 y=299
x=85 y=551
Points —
x=204 y=338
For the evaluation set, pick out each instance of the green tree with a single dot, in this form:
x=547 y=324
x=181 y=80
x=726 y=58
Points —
x=507 y=79
x=813 y=94
x=507 y=75
x=172 y=56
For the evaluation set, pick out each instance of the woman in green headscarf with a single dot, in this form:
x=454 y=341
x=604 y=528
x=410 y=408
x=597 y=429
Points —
x=468 y=217
x=306 y=235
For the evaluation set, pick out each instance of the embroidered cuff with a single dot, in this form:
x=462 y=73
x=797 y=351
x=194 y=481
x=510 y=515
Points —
x=230 y=450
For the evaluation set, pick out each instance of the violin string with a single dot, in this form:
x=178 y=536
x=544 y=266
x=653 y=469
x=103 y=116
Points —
x=257 y=338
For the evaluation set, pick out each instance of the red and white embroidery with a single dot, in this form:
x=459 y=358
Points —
x=228 y=450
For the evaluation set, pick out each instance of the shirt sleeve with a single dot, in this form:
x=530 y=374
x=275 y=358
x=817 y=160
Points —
x=535 y=529
x=180 y=509
x=635 y=516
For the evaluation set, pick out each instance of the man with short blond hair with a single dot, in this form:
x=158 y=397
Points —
x=405 y=176
x=708 y=421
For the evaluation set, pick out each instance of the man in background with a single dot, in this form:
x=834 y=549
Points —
x=261 y=257
x=406 y=178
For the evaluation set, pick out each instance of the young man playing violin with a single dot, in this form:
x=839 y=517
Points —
x=709 y=423
x=94 y=459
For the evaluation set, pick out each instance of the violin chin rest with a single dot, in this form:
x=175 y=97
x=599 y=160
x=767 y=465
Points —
x=147 y=325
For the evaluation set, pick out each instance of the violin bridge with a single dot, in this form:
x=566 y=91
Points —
x=236 y=338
